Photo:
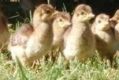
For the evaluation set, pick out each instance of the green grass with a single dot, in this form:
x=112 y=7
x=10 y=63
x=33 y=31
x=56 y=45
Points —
x=92 y=69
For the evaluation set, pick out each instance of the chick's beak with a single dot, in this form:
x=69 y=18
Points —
x=113 y=22
x=68 y=23
x=107 y=26
x=113 y=19
x=91 y=15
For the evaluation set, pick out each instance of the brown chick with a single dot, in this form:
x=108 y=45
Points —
x=80 y=43
x=21 y=35
x=105 y=41
x=37 y=39
x=4 y=36
x=60 y=24
x=115 y=17
x=115 y=21
x=115 y=24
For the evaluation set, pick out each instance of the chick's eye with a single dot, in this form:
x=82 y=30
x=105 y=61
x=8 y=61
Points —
x=60 y=20
x=40 y=14
x=82 y=13
x=47 y=11
x=99 y=21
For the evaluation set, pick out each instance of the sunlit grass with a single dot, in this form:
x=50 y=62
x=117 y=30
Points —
x=92 y=69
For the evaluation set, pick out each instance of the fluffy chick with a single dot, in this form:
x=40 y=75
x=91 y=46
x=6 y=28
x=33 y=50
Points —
x=80 y=43
x=105 y=40
x=36 y=39
x=21 y=35
x=115 y=24
x=4 y=36
x=18 y=41
x=115 y=17
x=114 y=21
x=60 y=24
